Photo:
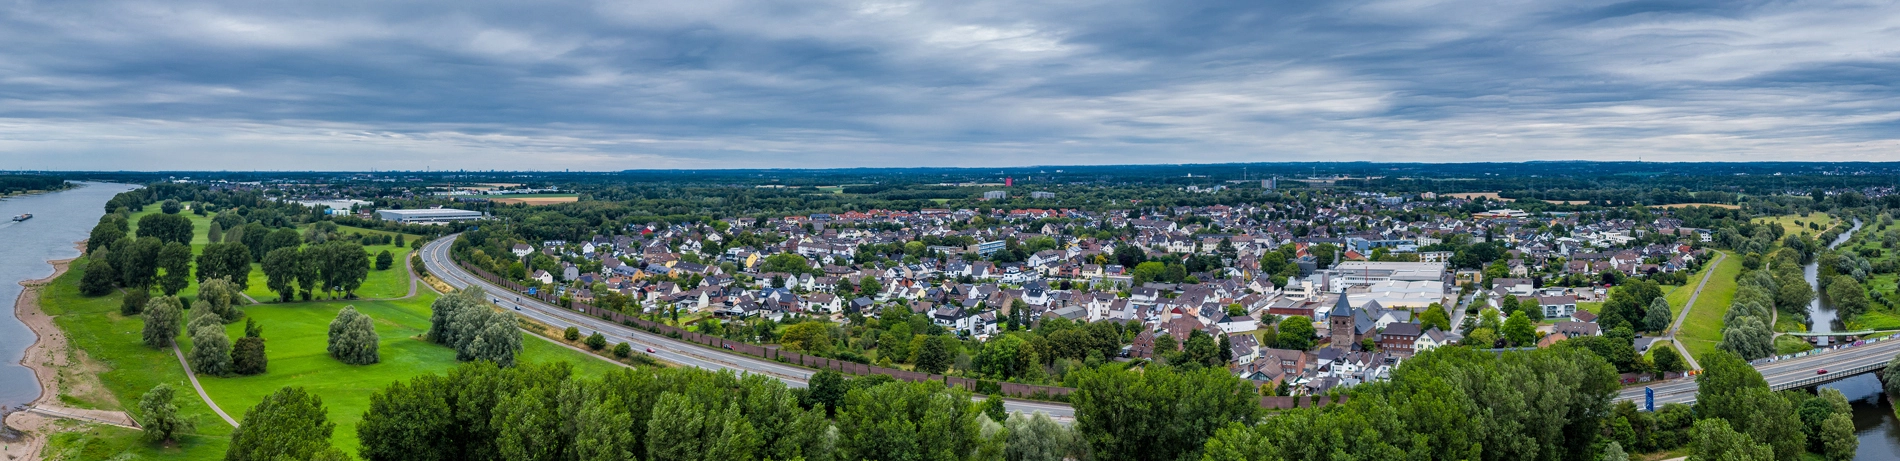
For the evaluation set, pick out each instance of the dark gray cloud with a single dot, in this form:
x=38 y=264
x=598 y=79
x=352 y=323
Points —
x=616 y=84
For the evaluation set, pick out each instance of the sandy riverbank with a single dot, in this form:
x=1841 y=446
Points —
x=47 y=357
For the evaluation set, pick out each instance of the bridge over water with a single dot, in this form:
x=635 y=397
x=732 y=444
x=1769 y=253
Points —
x=1790 y=372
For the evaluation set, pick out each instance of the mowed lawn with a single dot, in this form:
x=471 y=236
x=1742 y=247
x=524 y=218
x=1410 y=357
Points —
x=296 y=338
x=1702 y=330
x=381 y=284
x=94 y=326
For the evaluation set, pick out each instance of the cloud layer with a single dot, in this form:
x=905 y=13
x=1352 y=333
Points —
x=626 y=84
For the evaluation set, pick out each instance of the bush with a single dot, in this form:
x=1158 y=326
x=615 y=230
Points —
x=134 y=302
x=572 y=334
x=384 y=260
x=596 y=341
x=622 y=350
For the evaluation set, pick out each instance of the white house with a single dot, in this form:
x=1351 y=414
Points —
x=1558 y=307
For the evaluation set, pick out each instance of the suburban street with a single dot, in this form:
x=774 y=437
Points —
x=435 y=256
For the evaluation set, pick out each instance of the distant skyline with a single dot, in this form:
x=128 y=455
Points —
x=616 y=85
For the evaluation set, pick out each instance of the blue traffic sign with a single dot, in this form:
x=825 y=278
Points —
x=1649 y=399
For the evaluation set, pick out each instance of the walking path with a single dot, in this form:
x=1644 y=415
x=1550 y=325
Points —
x=1684 y=315
x=115 y=418
x=201 y=389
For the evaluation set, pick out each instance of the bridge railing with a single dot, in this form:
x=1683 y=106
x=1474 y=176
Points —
x=1826 y=350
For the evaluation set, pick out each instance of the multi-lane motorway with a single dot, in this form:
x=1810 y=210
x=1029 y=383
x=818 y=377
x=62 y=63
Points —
x=1796 y=372
x=435 y=256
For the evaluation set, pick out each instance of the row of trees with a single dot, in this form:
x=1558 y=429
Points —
x=543 y=412
x=1747 y=327
x=334 y=266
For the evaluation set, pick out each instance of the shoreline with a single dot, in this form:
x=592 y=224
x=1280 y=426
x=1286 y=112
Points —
x=49 y=353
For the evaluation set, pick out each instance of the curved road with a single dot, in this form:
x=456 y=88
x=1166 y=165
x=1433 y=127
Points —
x=435 y=257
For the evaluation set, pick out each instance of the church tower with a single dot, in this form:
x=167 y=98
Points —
x=1340 y=325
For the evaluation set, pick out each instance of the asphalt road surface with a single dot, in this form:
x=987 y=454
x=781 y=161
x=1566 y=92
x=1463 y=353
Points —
x=435 y=256
x=1777 y=373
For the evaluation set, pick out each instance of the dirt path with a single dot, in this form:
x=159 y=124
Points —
x=48 y=357
x=201 y=389
x=1684 y=316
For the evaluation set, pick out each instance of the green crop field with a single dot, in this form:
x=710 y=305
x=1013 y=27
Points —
x=1702 y=330
x=296 y=336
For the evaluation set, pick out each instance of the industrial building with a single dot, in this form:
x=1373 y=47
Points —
x=429 y=216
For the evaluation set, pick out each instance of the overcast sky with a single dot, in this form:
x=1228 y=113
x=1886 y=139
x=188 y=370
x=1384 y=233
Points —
x=610 y=85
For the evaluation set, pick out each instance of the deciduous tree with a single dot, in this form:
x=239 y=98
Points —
x=159 y=415
x=161 y=321
x=175 y=260
x=288 y=424
x=168 y=228
x=353 y=338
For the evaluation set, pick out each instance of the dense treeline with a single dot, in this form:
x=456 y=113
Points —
x=12 y=184
x=1448 y=403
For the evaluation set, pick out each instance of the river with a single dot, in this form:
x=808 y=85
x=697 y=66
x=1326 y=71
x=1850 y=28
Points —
x=1820 y=314
x=59 y=219
x=1874 y=421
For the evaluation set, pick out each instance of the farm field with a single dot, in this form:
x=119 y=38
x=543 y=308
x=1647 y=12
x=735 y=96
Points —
x=537 y=199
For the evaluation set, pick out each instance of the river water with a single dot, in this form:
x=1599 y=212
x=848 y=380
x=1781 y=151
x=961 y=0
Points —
x=1874 y=421
x=59 y=219
x=1821 y=315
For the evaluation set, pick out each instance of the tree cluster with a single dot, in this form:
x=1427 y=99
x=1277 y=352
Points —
x=1447 y=403
x=463 y=321
x=1747 y=326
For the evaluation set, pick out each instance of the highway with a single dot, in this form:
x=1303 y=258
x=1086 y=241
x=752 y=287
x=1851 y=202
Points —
x=1781 y=374
x=435 y=257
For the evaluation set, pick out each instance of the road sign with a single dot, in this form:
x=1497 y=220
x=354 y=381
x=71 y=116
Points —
x=1649 y=399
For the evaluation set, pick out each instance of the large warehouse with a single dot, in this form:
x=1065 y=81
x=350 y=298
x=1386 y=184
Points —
x=429 y=216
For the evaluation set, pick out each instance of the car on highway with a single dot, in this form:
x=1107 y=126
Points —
x=1822 y=371
x=649 y=350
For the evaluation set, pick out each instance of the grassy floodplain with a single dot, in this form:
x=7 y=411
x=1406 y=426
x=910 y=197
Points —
x=296 y=335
